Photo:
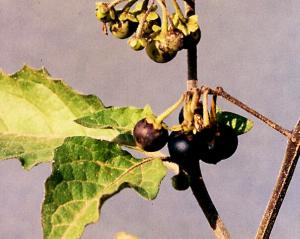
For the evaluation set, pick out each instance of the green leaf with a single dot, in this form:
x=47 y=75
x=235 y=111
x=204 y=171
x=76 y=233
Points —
x=122 y=119
x=127 y=16
x=124 y=235
x=152 y=16
x=239 y=123
x=186 y=27
x=192 y=23
x=37 y=113
x=85 y=173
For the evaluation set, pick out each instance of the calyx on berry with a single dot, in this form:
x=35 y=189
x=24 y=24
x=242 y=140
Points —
x=137 y=43
x=165 y=43
x=187 y=25
x=105 y=12
x=158 y=52
x=198 y=111
x=148 y=17
x=150 y=133
x=216 y=141
x=125 y=23
x=122 y=29
x=149 y=136
x=200 y=136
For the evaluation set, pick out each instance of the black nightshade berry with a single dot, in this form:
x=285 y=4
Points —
x=148 y=138
x=216 y=143
x=180 y=181
x=181 y=146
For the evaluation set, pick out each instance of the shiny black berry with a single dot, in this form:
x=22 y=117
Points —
x=181 y=146
x=216 y=143
x=180 y=181
x=148 y=137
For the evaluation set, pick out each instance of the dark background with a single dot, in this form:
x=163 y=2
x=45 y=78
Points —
x=251 y=48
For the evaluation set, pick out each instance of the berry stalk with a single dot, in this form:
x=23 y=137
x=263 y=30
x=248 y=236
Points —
x=169 y=111
x=178 y=11
x=206 y=120
x=164 y=27
x=139 y=31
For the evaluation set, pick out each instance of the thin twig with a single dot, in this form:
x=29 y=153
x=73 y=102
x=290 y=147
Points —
x=202 y=196
x=220 y=92
x=192 y=79
x=285 y=175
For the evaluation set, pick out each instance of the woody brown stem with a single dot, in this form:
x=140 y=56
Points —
x=220 y=91
x=284 y=178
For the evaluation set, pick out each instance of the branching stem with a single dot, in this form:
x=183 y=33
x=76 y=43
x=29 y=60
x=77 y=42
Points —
x=283 y=180
x=221 y=92
x=165 y=13
x=169 y=110
x=285 y=174
x=196 y=181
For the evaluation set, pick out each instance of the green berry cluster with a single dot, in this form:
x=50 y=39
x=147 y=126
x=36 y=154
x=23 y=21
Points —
x=161 y=36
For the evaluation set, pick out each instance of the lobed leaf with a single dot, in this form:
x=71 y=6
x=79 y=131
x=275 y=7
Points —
x=86 y=172
x=239 y=123
x=37 y=113
x=122 y=119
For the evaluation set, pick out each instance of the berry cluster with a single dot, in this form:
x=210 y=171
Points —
x=199 y=136
x=162 y=37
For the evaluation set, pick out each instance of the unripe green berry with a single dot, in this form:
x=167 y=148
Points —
x=136 y=43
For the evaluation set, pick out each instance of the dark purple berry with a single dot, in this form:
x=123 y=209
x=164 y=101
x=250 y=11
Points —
x=216 y=143
x=181 y=146
x=148 y=138
x=180 y=181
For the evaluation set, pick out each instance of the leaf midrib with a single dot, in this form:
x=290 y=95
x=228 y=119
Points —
x=99 y=195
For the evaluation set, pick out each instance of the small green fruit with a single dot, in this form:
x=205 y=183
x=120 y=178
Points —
x=157 y=53
x=122 y=29
x=136 y=43
x=164 y=47
x=104 y=13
